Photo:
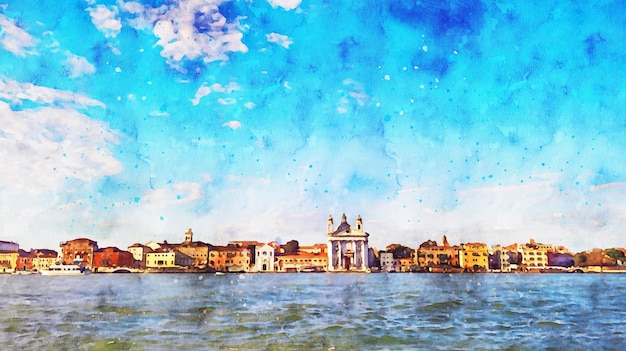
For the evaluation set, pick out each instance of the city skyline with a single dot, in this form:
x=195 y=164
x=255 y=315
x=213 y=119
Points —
x=130 y=122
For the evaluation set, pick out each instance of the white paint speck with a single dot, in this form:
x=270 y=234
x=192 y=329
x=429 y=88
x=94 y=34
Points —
x=118 y=70
x=425 y=48
x=387 y=77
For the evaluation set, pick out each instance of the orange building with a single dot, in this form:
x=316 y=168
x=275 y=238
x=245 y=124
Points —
x=78 y=251
x=230 y=258
x=113 y=257
x=24 y=261
x=302 y=262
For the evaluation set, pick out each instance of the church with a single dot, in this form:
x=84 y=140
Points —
x=347 y=246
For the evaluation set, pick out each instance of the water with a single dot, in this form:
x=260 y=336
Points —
x=313 y=312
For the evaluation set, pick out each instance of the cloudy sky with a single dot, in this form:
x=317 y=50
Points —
x=494 y=121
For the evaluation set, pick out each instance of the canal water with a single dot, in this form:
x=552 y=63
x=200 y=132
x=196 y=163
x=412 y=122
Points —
x=314 y=312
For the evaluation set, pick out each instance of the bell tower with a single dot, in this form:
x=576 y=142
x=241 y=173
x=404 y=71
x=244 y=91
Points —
x=331 y=226
x=359 y=223
x=188 y=236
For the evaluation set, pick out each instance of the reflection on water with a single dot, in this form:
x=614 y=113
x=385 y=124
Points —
x=313 y=312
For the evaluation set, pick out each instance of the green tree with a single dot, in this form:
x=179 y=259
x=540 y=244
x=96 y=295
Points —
x=292 y=247
x=580 y=259
x=400 y=251
x=616 y=254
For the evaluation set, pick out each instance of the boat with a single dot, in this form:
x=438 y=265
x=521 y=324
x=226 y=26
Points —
x=66 y=269
x=25 y=272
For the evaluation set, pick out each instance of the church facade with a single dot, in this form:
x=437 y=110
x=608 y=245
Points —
x=347 y=246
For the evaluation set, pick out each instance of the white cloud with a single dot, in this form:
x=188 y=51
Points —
x=279 y=39
x=193 y=29
x=285 y=4
x=44 y=148
x=16 y=92
x=14 y=39
x=78 y=66
x=156 y=113
x=105 y=20
x=174 y=194
x=234 y=125
x=216 y=87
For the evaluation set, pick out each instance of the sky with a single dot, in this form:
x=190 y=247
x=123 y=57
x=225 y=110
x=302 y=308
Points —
x=493 y=122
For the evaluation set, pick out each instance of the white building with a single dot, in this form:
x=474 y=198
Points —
x=263 y=258
x=347 y=246
x=387 y=263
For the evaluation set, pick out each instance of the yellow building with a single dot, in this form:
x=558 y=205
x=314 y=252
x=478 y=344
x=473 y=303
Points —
x=8 y=261
x=167 y=258
x=43 y=259
x=474 y=257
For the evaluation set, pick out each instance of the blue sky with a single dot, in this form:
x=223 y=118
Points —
x=486 y=121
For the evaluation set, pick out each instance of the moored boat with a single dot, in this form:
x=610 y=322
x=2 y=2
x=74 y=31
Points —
x=66 y=269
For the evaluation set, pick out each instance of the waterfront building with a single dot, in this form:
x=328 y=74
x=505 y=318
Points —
x=387 y=263
x=78 y=251
x=42 y=259
x=301 y=262
x=474 y=257
x=229 y=258
x=535 y=255
x=263 y=258
x=24 y=260
x=139 y=253
x=8 y=261
x=167 y=257
x=560 y=259
x=499 y=260
x=404 y=264
x=437 y=257
x=111 y=257
x=347 y=246
x=197 y=250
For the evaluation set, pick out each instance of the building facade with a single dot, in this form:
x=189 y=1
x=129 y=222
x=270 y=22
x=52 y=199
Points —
x=8 y=261
x=229 y=258
x=139 y=253
x=347 y=246
x=197 y=250
x=474 y=257
x=431 y=256
x=263 y=259
x=387 y=263
x=301 y=262
x=166 y=257
x=78 y=251
x=112 y=257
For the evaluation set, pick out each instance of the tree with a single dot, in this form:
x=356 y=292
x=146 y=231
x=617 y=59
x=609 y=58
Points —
x=292 y=247
x=580 y=259
x=616 y=254
x=400 y=251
